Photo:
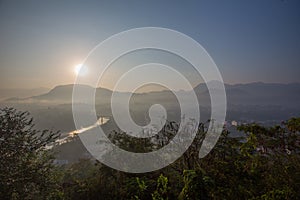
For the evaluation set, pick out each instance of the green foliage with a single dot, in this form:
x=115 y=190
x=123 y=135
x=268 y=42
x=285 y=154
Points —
x=161 y=192
x=262 y=165
x=26 y=170
x=141 y=186
x=82 y=180
x=195 y=183
x=274 y=194
x=293 y=124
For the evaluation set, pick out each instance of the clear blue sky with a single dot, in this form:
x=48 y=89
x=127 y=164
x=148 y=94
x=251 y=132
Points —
x=42 y=41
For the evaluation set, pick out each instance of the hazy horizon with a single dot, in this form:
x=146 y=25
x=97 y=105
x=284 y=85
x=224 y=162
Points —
x=151 y=88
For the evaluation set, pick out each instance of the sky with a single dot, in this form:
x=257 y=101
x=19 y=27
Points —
x=41 y=42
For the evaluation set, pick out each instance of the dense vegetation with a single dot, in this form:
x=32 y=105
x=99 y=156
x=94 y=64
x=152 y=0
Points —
x=26 y=169
x=264 y=164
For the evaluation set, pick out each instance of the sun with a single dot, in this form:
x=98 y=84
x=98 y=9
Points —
x=77 y=69
x=80 y=70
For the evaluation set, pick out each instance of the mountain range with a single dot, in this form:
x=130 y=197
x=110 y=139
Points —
x=259 y=102
x=287 y=95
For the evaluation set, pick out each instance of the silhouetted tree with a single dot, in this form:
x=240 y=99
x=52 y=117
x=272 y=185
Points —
x=26 y=170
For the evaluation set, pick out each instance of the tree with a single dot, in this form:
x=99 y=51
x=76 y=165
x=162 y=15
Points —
x=26 y=169
x=161 y=192
x=195 y=183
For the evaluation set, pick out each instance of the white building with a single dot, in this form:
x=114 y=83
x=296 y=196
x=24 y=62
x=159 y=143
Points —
x=234 y=123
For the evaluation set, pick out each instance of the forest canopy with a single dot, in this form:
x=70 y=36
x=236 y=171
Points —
x=263 y=164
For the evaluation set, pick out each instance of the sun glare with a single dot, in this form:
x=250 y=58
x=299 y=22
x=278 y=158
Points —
x=77 y=68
